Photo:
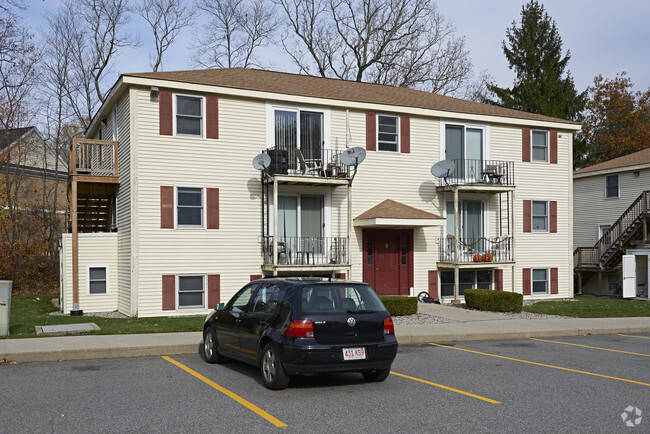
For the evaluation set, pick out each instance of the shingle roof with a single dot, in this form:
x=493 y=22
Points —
x=636 y=159
x=7 y=137
x=395 y=210
x=318 y=87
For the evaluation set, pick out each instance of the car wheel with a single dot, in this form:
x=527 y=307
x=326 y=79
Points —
x=210 y=351
x=272 y=370
x=376 y=374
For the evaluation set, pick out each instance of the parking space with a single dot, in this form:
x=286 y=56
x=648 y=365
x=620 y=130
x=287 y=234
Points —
x=582 y=384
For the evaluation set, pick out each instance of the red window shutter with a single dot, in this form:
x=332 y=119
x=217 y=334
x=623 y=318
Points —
x=339 y=275
x=526 y=273
x=405 y=134
x=255 y=277
x=167 y=207
x=212 y=195
x=165 y=113
x=525 y=146
x=433 y=283
x=212 y=117
x=371 y=132
x=554 y=281
x=527 y=215
x=553 y=151
x=168 y=292
x=214 y=289
x=498 y=279
x=552 y=208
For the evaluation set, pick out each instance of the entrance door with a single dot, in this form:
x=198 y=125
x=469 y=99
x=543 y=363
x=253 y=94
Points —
x=388 y=261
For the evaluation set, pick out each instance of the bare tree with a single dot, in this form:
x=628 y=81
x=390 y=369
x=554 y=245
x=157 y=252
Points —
x=166 y=18
x=235 y=30
x=396 y=42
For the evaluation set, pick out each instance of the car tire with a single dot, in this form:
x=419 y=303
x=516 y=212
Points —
x=376 y=375
x=272 y=370
x=210 y=347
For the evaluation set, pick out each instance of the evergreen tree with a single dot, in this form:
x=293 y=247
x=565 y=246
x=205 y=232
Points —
x=534 y=52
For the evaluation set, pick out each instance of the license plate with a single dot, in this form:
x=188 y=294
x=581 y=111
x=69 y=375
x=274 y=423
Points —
x=358 y=353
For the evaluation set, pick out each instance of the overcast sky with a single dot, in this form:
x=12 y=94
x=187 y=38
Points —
x=604 y=37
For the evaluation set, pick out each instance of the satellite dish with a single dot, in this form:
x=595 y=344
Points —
x=443 y=169
x=261 y=161
x=353 y=156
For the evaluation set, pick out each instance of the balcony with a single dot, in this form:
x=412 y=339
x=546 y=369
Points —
x=312 y=165
x=93 y=158
x=480 y=252
x=302 y=253
x=483 y=174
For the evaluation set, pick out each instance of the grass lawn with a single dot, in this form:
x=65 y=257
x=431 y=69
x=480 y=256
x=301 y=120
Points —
x=592 y=307
x=29 y=311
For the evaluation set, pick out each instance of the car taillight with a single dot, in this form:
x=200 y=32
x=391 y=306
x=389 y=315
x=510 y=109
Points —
x=300 y=328
x=389 y=327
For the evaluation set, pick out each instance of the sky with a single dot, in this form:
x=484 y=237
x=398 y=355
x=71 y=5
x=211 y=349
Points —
x=603 y=37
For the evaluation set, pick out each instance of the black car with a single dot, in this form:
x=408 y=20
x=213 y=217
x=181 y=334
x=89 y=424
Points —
x=303 y=326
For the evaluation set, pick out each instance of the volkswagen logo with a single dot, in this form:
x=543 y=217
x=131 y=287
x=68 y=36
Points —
x=352 y=322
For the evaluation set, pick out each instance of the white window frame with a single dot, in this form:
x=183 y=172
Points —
x=618 y=186
x=602 y=228
x=547 y=281
x=307 y=191
x=398 y=142
x=204 y=289
x=203 y=116
x=88 y=267
x=465 y=125
x=546 y=147
x=270 y=122
x=114 y=125
x=204 y=207
x=532 y=216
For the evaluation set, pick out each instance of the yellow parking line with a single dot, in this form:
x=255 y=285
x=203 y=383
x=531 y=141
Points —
x=447 y=388
x=634 y=336
x=228 y=393
x=542 y=364
x=587 y=346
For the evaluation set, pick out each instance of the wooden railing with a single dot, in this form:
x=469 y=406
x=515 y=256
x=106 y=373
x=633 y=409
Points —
x=615 y=237
x=93 y=157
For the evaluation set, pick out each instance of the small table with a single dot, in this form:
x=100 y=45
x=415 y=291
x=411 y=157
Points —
x=492 y=177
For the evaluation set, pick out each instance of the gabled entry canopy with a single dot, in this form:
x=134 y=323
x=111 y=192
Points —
x=390 y=213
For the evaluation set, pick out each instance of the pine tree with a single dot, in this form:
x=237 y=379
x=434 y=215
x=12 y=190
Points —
x=534 y=52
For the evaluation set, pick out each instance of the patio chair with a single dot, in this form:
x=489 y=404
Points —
x=310 y=164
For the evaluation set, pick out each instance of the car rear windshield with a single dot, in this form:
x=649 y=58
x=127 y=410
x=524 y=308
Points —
x=340 y=298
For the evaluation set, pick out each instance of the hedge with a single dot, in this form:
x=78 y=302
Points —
x=398 y=305
x=496 y=301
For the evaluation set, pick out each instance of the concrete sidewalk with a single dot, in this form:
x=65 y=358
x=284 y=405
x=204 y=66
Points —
x=470 y=325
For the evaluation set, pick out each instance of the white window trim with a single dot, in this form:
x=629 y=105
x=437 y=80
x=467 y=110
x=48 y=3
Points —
x=599 y=230
x=548 y=217
x=465 y=124
x=398 y=127
x=88 y=267
x=203 y=116
x=327 y=208
x=114 y=123
x=618 y=187
x=204 y=206
x=270 y=121
x=548 y=148
x=178 y=290
x=548 y=281
x=485 y=204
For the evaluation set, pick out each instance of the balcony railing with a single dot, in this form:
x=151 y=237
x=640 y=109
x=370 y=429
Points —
x=306 y=251
x=307 y=162
x=93 y=157
x=486 y=172
x=475 y=250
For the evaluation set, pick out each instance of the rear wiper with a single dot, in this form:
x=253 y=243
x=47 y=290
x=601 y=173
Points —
x=361 y=311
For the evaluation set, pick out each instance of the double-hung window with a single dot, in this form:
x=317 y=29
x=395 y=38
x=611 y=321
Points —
x=190 y=210
x=540 y=216
x=540 y=146
x=387 y=133
x=611 y=186
x=97 y=280
x=540 y=281
x=191 y=291
x=189 y=115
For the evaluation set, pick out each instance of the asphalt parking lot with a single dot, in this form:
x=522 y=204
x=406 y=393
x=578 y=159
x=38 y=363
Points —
x=579 y=384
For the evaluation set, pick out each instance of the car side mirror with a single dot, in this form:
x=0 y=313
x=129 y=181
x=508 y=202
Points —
x=219 y=306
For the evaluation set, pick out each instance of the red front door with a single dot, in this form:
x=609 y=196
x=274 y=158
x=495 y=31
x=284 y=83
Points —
x=388 y=260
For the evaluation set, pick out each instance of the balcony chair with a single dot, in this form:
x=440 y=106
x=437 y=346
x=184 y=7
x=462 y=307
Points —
x=310 y=164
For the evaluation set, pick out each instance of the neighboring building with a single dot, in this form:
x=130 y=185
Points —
x=611 y=209
x=186 y=219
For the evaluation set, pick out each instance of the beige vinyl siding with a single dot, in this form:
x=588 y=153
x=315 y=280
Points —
x=97 y=250
x=591 y=208
x=124 y=204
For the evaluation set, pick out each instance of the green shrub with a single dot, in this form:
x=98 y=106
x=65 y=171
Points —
x=398 y=305
x=495 y=301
